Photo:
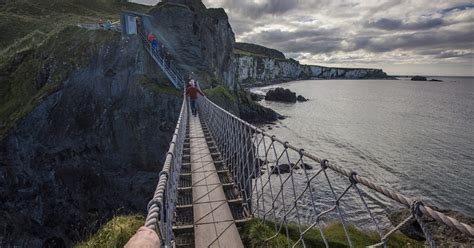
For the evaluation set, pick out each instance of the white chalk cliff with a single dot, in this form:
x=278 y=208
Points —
x=255 y=63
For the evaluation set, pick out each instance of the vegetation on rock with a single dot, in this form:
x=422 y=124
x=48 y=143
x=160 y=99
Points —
x=38 y=71
x=114 y=233
x=255 y=233
x=159 y=86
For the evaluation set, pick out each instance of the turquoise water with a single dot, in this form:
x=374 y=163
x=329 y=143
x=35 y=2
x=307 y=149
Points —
x=414 y=137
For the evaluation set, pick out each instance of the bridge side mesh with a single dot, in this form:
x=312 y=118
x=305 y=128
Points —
x=162 y=207
x=273 y=179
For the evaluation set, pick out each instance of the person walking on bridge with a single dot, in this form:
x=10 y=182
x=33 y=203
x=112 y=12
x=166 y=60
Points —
x=193 y=92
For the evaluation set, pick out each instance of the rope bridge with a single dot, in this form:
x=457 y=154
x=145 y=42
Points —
x=273 y=180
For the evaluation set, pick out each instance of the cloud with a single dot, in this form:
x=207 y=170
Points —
x=356 y=32
x=257 y=8
x=458 y=8
x=394 y=24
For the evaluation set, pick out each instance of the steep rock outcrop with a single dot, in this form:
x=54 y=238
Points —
x=200 y=40
x=91 y=148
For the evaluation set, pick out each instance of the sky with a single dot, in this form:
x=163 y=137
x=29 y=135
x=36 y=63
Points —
x=417 y=37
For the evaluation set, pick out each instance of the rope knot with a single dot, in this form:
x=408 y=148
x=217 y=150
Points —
x=324 y=164
x=157 y=202
x=285 y=144
x=273 y=138
x=352 y=177
x=415 y=208
x=165 y=173
x=301 y=151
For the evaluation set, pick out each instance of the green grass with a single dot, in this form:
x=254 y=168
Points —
x=59 y=55
x=19 y=18
x=240 y=52
x=158 y=87
x=114 y=233
x=255 y=234
x=221 y=92
x=42 y=35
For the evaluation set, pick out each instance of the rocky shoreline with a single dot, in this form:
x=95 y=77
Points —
x=443 y=235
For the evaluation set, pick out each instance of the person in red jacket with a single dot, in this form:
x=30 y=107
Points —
x=151 y=37
x=193 y=92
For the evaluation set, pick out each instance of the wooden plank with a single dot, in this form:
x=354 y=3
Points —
x=214 y=225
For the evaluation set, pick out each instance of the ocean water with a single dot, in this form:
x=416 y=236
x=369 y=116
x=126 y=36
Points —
x=416 y=138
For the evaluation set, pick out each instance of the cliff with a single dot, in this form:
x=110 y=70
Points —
x=86 y=120
x=254 y=64
x=200 y=40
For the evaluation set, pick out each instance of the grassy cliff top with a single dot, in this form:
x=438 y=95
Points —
x=20 y=19
x=37 y=71
x=249 y=49
x=40 y=45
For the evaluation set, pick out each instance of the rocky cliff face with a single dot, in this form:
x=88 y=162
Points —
x=90 y=148
x=201 y=40
x=253 y=66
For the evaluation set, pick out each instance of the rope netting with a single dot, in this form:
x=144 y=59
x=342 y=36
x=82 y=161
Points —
x=162 y=207
x=286 y=185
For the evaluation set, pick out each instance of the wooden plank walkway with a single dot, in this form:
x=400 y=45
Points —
x=214 y=225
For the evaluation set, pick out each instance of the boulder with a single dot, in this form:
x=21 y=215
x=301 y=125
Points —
x=306 y=166
x=256 y=97
x=418 y=78
x=301 y=98
x=280 y=169
x=281 y=95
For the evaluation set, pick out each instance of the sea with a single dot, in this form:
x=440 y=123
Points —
x=413 y=137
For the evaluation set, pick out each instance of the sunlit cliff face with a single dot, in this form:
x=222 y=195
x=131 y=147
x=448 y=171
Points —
x=402 y=37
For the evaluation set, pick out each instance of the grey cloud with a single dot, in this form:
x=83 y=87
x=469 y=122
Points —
x=394 y=24
x=449 y=54
x=422 y=40
x=246 y=8
x=328 y=41
x=376 y=31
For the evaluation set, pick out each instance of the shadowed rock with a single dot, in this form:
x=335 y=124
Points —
x=418 y=78
x=281 y=95
x=443 y=235
x=306 y=166
x=301 y=98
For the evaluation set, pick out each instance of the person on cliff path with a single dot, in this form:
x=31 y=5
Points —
x=154 y=44
x=192 y=92
x=150 y=37
x=108 y=25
